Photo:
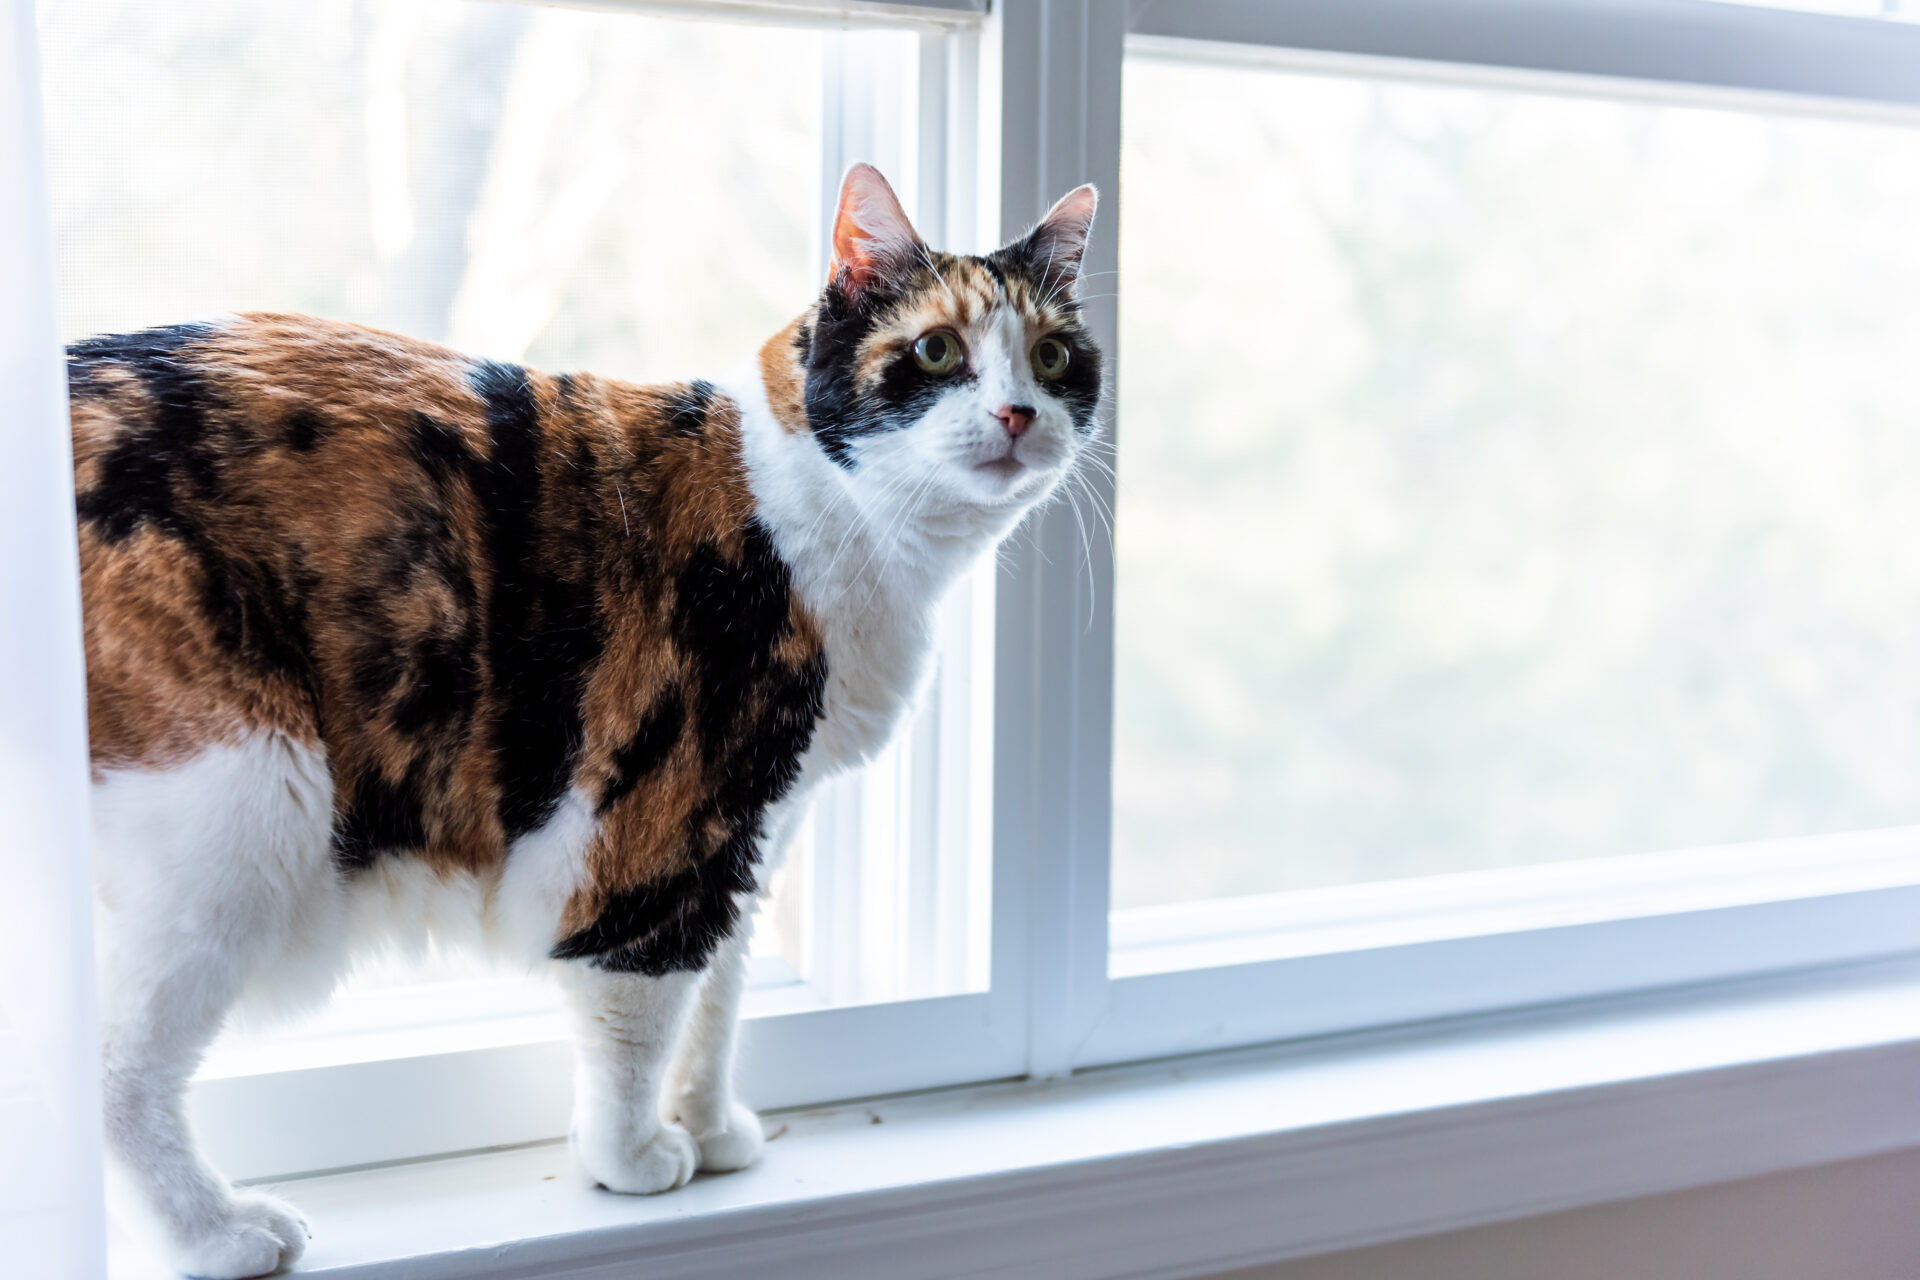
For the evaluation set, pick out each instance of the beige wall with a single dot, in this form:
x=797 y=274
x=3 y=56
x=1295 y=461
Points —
x=1855 y=1221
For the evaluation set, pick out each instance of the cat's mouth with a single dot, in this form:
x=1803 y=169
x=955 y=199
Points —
x=1005 y=467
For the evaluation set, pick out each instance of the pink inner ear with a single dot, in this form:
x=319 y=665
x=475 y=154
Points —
x=870 y=230
x=1060 y=240
x=1071 y=218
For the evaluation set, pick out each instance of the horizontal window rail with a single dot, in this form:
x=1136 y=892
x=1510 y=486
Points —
x=1690 y=42
x=837 y=13
x=1507 y=900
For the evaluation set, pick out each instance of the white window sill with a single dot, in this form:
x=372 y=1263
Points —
x=1189 y=1167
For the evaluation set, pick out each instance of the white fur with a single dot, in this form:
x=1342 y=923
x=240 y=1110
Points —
x=625 y=1028
x=218 y=893
x=218 y=888
x=875 y=548
x=211 y=874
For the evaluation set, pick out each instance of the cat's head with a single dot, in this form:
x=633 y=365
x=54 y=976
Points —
x=938 y=380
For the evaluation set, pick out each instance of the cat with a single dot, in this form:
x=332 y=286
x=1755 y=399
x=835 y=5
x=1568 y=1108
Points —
x=384 y=643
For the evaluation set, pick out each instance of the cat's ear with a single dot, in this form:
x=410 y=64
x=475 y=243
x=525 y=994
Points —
x=1056 y=246
x=871 y=235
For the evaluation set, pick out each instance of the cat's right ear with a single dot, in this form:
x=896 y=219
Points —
x=871 y=235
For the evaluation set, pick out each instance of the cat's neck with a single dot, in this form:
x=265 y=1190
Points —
x=844 y=555
x=873 y=579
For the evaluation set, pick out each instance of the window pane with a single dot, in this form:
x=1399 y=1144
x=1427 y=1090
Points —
x=1505 y=478
x=575 y=190
x=523 y=182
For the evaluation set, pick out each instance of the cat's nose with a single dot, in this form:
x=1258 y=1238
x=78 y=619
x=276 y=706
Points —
x=1016 y=418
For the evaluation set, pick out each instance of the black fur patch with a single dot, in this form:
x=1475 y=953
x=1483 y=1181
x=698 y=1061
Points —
x=542 y=630
x=305 y=430
x=836 y=411
x=687 y=410
x=1079 y=387
x=161 y=472
x=728 y=619
x=679 y=923
x=378 y=817
x=438 y=698
x=138 y=477
x=647 y=749
x=440 y=450
x=753 y=717
x=433 y=680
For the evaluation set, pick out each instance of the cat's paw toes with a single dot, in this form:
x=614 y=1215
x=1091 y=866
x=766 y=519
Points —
x=665 y=1161
x=278 y=1218
x=734 y=1144
x=260 y=1236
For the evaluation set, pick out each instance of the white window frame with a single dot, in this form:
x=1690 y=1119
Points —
x=428 y=1070
x=1144 y=984
x=1030 y=107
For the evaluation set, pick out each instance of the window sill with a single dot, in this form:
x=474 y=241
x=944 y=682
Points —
x=1187 y=1167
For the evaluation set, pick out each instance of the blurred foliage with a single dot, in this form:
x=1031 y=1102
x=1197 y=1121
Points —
x=602 y=191
x=580 y=190
x=1505 y=477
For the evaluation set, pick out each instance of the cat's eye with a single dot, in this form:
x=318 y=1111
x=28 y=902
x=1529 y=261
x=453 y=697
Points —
x=937 y=352
x=1050 y=356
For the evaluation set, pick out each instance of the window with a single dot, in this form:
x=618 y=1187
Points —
x=1506 y=593
x=497 y=177
x=1504 y=611
x=1529 y=483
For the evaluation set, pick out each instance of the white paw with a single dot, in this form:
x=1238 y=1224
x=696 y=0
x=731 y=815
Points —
x=733 y=1144
x=259 y=1236
x=664 y=1161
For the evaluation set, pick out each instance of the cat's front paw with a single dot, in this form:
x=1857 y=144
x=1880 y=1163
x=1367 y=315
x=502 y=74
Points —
x=733 y=1144
x=258 y=1236
x=660 y=1163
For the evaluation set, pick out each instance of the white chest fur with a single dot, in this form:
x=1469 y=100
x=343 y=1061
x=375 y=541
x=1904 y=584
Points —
x=873 y=572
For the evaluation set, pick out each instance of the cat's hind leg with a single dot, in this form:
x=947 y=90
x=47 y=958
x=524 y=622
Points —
x=212 y=872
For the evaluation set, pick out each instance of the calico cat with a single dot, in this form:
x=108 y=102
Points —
x=388 y=643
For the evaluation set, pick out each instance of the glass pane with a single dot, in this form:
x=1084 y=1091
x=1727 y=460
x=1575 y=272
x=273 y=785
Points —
x=573 y=190
x=1505 y=478
x=522 y=182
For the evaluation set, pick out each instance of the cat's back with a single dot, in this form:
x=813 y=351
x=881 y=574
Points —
x=230 y=477
x=468 y=585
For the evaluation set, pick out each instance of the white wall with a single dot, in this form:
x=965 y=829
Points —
x=1854 y=1221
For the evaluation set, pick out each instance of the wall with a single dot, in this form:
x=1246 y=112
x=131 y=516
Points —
x=1853 y=1221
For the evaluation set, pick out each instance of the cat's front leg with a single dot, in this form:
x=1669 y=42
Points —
x=700 y=1090
x=625 y=1028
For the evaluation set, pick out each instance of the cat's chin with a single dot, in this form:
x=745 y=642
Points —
x=1006 y=470
x=1005 y=482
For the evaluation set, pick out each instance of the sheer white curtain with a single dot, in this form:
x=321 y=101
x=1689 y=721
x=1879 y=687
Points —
x=51 y=1222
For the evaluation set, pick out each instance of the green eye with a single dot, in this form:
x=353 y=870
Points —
x=1050 y=357
x=937 y=352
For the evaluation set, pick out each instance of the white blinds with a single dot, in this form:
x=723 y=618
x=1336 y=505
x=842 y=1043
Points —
x=50 y=1204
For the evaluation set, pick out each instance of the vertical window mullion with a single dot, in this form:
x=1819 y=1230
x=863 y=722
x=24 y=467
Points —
x=893 y=866
x=1053 y=70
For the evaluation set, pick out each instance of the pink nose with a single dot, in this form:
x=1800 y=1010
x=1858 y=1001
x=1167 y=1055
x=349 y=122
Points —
x=1016 y=418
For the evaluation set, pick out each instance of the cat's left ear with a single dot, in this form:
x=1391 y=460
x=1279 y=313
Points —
x=1056 y=246
x=872 y=238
